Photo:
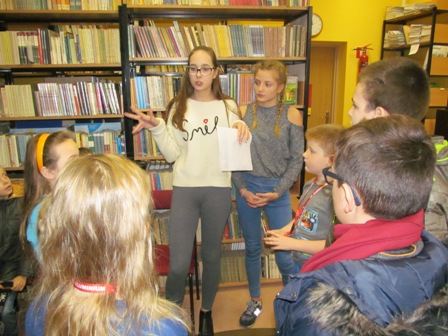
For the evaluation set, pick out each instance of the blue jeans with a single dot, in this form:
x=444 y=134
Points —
x=278 y=214
x=8 y=315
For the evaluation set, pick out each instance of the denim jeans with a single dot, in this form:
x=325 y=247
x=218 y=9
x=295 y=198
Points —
x=278 y=214
x=8 y=315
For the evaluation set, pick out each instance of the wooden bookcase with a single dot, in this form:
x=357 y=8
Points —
x=436 y=18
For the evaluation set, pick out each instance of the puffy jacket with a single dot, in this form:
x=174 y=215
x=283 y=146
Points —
x=373 y=296
x=12 y=259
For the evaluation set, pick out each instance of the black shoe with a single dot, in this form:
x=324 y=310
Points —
x=205 y=323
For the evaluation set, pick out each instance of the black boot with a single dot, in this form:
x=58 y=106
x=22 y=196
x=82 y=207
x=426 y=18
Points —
x=205 y=323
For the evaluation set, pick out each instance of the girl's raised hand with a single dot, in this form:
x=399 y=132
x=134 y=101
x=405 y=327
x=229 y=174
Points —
x=144 y=120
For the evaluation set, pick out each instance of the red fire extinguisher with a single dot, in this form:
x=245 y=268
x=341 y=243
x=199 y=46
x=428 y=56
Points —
x=361 y=53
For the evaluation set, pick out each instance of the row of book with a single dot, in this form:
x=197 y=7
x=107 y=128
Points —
x=13 y=146
x=61 y=96
x=233 y=267
x=407 y=35
x=144 y=145
x=256 y=3
x=393 y=12
x=232 y=40
x=60 y=4
x=63 y=44
x=156 y=91
x=161 y=180
x=160 y=224
x=233 y=228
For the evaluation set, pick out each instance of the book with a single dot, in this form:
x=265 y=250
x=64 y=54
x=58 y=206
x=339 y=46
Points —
x=291 y=90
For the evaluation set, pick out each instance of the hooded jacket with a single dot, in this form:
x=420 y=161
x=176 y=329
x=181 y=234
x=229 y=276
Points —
x=372 y=296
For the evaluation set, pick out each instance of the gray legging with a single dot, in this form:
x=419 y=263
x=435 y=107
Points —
x=212 y=205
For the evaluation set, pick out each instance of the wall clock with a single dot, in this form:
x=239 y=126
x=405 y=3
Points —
x=316 y=25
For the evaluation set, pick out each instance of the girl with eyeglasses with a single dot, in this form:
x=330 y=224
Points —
x=200 y=189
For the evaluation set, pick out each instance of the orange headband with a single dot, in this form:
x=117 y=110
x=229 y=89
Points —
x=40 y=150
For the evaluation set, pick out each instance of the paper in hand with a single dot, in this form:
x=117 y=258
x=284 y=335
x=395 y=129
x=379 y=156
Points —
x=233 y=155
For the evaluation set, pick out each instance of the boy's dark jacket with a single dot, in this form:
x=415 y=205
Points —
x=374 y=296
x=12 y=260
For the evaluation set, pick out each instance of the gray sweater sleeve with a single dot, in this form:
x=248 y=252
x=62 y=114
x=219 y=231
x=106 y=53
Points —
x=296 y=145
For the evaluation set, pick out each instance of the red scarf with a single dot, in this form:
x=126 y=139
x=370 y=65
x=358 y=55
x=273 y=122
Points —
x=359 y=241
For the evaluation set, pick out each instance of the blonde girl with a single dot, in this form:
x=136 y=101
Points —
x=46 y=154
x=100 y=276
x=276 y=150
x=201 y=189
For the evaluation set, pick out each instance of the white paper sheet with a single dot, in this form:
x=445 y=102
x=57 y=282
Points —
x=233 y=155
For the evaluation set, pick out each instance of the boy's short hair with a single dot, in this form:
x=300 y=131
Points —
x=399 y=85
x=390 y=161
x=325 y=136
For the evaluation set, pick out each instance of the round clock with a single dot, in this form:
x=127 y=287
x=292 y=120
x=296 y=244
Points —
x=316 y=25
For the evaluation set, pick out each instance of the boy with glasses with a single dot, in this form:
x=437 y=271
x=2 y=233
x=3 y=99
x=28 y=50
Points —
x=400 y=86
x=384 y=274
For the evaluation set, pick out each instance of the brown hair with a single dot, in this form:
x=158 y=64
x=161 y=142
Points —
x=108 y=240
x=178 y=105
x=399 y=85
x=35 y=185
x=280 y=69
x=390 y=161
x=325 y=136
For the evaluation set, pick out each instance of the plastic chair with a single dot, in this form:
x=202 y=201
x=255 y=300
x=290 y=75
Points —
x=162 y=253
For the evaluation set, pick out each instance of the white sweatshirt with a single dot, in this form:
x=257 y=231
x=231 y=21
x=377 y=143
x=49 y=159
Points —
x=195 y=152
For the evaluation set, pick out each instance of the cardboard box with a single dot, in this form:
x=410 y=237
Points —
x=441 y=33
x=438 y=97
x=441 y=4
x=439 y=66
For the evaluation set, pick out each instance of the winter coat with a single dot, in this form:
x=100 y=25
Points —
x=375 y=296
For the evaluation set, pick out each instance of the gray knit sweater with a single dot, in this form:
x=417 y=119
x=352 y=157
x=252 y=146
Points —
x=272 y=156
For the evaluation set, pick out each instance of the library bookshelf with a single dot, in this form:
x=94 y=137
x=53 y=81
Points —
x=58 y=69
x=423 y=33
x=130 y=62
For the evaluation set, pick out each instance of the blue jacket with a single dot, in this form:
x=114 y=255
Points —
x=365 y=296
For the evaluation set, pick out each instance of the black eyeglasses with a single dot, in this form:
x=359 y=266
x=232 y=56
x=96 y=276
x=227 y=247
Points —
x=330 y=176
x=205 y=71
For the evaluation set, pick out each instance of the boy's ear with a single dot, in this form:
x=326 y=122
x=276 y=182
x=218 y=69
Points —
x=350 y=205
x=330 y=160
x=381 y=112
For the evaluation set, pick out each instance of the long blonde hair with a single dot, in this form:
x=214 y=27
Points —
x=96 y=229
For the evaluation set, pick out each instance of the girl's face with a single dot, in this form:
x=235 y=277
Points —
x=5 y=185
x=202 y=83
x=315 y=159
x=65 y=151
x=267 y=88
